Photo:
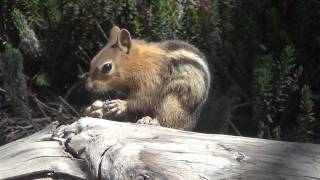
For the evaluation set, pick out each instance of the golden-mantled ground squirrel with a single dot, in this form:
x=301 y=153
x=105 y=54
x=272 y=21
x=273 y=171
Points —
x=166 y=82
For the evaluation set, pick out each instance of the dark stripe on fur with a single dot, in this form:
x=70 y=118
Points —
x=175 y=63
x=174 y=45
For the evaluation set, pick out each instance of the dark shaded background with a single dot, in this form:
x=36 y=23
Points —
x=264 y=58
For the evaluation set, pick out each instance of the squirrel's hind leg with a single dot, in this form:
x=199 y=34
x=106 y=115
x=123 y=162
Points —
x=172 y=114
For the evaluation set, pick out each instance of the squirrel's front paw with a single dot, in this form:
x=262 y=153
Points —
x=115 y=107
x=95 y=110
x=148 y=120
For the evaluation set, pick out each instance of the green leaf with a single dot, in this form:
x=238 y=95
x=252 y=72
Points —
x=20 y=20
x=263 y=74
x=42 y=79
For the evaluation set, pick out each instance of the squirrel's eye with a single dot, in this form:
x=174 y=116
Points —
x=106 y=68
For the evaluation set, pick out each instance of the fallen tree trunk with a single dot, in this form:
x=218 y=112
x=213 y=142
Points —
x=100 y=149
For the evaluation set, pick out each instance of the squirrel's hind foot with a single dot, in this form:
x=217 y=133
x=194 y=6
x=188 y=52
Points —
x=148 y=120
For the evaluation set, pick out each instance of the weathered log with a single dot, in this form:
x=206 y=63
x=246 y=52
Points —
x=39 y=156
x=100 y=149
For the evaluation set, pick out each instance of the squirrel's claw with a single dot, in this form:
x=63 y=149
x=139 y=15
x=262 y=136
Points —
x=117 y=107
x=100 y=109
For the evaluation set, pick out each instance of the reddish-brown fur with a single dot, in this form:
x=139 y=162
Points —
x=142 y=72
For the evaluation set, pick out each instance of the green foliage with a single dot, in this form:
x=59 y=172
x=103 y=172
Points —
x=42 y=79
x=20 y=21
x=14 y=82
x=189 y=25
x=284 y=68
x=136 y=22
x=277 y=82
x=306 y=119
x=263 y=73
x=2 y=40
x=160 y=25
x=8 y=50
x=217 y=18
x=29 y=42
x=286 y=62
x=265 y=52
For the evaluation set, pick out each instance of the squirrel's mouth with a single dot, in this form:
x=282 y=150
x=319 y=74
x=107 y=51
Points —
x=96 y=85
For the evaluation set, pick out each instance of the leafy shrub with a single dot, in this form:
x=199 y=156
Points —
x=264 y=55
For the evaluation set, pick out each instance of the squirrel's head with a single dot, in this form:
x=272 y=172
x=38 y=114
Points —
x=105 y=72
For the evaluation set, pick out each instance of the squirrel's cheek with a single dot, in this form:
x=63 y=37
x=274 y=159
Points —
x=92 y=85
x=97 y=85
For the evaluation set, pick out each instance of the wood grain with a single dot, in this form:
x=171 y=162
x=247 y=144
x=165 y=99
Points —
x=100 y=149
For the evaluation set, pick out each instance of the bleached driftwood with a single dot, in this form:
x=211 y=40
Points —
x=100 y=149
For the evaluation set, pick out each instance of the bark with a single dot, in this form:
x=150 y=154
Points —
x=101 y=149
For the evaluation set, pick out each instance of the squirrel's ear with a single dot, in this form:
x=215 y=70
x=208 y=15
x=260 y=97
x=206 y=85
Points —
x=124 y=40
x=114 y=33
